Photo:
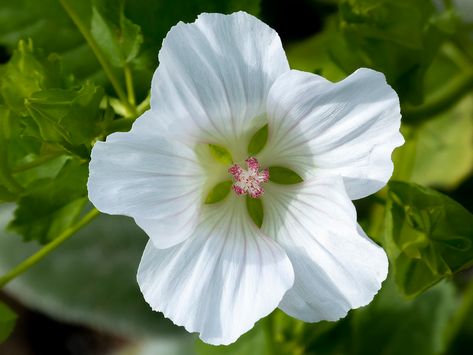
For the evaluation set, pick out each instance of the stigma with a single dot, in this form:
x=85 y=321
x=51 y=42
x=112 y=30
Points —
x=249 y=180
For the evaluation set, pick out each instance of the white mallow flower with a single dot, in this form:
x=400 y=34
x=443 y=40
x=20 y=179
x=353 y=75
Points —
x=208 y=266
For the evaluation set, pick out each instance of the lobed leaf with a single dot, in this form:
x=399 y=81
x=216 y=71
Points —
x=51 y=205
x=428 y=236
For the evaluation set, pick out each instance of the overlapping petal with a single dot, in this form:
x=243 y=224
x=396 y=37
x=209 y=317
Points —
x=336 y=266
x=156 y=180
x=221 y=280
x=349 y=128
x=215 y=74
x=208 y=267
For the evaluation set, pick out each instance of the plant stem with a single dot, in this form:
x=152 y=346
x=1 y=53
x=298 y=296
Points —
x=48 y=248
x=129 y=85
x=453 y=92
x=144 y=105
x=98 y=54
x=125 y=123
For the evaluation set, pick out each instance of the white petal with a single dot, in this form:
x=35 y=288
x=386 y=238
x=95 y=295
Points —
x=336 y=266
x=214 y=75
x=146 y=176
x=221 y=280
x=349 y=128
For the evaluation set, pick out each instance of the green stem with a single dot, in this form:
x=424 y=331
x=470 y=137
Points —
x=460 y=316
x=455 y=53
x=129 y=85
x=453 y=92
x=48 y=248
x=98 y=54
x=124 y=124
x=144 y=105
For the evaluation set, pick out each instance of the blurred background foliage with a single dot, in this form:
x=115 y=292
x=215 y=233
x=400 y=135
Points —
x=73 y=71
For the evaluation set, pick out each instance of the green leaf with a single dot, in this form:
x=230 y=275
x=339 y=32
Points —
x=375 y=37
x=89 y=280
x=219 y=192
x=51 y=205
x=254 y=207
x=221 y=154
x=428 y=236
x=24 y=158
x=393 y=325
x=42 y=21
x=27 y=72
x=118 y=38
x=70 y=117
x=313 y=54
x=444 y=148
x=258 y=141
x=284 y=176
x=7 y=321
x=157 y=17
x=5 y=195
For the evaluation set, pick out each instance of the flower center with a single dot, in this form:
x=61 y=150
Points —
x=249 y=181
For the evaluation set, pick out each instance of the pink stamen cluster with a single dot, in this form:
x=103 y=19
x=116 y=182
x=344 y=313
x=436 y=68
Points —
x=249 y=181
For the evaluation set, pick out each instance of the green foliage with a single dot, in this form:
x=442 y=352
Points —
x=393 y=325
x=444 y=151
x=219 y=192
x=255 y=210
x=51 y=205
x=314 y=53
x=390 y=325
x=7 y=321
x=90 y=280
x=119 y=38
x=157 y=17
x=42 y=21
x=258 y=141
x=397 y=37
x=284 y=176
x=68 y=117
x=56 y=101
x=428 y=236
x=47 y=117
x=27 y=72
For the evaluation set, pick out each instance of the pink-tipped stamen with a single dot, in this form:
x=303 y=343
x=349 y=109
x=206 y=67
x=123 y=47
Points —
x=249 y=181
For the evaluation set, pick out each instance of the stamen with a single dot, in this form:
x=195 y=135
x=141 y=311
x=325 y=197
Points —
x=249 y=181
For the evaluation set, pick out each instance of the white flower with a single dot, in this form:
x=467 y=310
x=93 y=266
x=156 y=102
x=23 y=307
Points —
x=208 y=267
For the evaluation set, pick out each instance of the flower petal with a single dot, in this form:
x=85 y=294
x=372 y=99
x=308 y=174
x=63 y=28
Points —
x=349 y=128
x=143 y=175
x=221 y=280
x=214 y=76
x=336 y=266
